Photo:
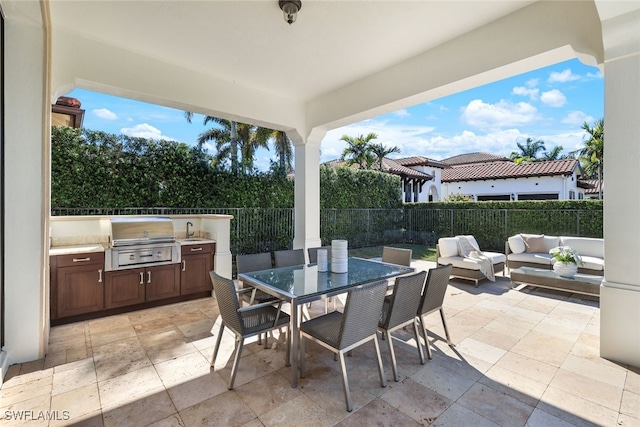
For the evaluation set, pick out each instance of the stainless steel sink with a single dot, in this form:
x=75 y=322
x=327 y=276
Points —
x=193 y=239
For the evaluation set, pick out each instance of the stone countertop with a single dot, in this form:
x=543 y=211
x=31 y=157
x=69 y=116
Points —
x=194 y=241
x=76 y=249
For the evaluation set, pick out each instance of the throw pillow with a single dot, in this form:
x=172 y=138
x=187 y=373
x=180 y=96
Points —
x=535 y=244
x=516 y=244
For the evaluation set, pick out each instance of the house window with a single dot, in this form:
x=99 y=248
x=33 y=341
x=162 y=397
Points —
x=580 y=196
x=494 y=197
x=540 y=196
x=572 y=195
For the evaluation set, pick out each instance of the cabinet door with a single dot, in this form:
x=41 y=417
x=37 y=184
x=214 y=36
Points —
x=194 y=276
x=125 y=287
x=162 y=281
x=79 y=290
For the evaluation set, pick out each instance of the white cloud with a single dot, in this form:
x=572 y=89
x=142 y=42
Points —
x=577 y=118
x=105 y=113
x=562 y=77
x=532 y=93
x=553 y=98
x=532 y=82
x=145 y=130
x=503 y=114
x=402 y=113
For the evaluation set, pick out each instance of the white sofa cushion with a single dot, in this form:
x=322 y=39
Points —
x=460 y=262
x=585 y=246
x=592 y=263
x=448 y=247
x=516 y=244
x=542 y=259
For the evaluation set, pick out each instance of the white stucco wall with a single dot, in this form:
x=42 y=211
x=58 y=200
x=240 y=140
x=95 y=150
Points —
x=24 y=145
x=545 y=184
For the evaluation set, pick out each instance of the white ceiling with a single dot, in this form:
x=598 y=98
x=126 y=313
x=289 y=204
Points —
x=248 y=43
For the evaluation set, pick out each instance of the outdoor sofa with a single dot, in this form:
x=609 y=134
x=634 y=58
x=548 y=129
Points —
x=448 y=252
x=532 y=250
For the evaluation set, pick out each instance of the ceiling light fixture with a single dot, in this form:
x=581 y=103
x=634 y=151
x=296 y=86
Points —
x=290 y=9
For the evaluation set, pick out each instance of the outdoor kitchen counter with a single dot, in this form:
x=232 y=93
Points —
x=76 y=249
x=194 y=241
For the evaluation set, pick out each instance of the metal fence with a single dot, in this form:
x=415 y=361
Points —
x=256 y=230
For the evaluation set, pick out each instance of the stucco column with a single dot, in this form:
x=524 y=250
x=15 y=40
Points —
x=620 y=292
x=26 y=209
x=307 y=192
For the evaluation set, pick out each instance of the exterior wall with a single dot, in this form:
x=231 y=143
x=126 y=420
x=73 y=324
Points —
x=540 y=185
x=26 y=142
x=431 y=187
x=620 y=291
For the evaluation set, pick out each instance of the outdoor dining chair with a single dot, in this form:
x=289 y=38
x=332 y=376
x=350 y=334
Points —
x=244 y=322
x=432 y=300
x=313 y=253
x=254 y=262
x=400 y=309
x=397 y=256
x=289 y=258
x=342 y=332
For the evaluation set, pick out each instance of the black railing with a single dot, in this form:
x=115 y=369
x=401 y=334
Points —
x=260 y=230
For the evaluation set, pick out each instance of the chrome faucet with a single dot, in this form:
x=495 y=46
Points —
x=189 y=223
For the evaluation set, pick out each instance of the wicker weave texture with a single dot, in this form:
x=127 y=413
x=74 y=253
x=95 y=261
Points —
x=289 y=258
x=397 y=256
x=245 y=322
x=362 y=313
x=253 y=262
x=404 y=301
x=313 y=254
x=436 y=287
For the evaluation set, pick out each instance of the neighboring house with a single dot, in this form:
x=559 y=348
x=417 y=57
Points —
x=594 y=191
x=484 y=176
x=413 y=180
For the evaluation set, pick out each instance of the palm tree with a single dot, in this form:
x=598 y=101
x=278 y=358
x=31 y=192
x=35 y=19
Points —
x=230 y=137
x=528 y=152
x=283 y=148
x=554 y=154
x=380 y=151
x=358 y=150
x=592 y=155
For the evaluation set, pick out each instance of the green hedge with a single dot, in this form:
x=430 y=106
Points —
x=92 y=169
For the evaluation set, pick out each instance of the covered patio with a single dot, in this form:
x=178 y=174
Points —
x=341 y=62
x=521 y=357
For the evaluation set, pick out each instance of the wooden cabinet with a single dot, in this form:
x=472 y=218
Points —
x=138 y=285
x=78 y=284
x=124 y=287
x=81 y=289
x=197 y=261
x=162 y=281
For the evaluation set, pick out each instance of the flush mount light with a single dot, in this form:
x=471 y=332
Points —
x=290 y=9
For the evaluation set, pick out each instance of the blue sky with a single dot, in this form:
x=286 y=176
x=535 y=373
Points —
x=550 y=104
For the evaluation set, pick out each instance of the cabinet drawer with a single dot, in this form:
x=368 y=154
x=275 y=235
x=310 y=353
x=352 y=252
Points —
x=80 y=259
x=203 y=248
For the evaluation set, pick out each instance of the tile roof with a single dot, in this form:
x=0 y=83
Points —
x=504 y=170
x=590 y=185
x=420 y=161
x=390 y=166
x=474 y=158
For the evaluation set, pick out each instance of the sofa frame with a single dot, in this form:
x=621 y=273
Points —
x=466 y=274
x=517 y=264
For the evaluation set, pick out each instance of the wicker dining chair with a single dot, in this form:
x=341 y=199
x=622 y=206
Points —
x=254 y=262
x=313 y=253
x=342 y=332
x=244 y=322
x=397 y=256
x=289 y=258
x=400 y=309
x=433 y=299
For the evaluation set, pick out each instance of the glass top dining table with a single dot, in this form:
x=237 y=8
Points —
x=302 y=284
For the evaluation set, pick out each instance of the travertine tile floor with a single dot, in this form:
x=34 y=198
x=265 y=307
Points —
x=521 y=357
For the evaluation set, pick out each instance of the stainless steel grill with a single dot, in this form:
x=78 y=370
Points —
x=141 y=241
